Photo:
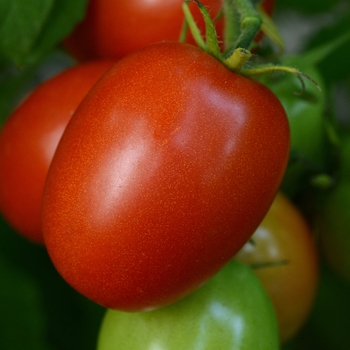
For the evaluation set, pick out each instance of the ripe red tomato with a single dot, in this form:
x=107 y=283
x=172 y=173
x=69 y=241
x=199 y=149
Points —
x=113 y=29
x=166 y=155
x=268 y=6
x=28 y=141
x=285 y=238
x=116 y=28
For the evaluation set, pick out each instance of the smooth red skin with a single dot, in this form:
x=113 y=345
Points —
x=29 y=139
x=167 y=154
x=113 y=29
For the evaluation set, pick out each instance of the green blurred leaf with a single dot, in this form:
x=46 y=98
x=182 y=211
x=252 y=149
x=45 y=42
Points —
x=58 y=317
x=306 y=6
x=22 y=24
x=30 y=29
x=329 y=323
x=22 y=318
x=335 y=66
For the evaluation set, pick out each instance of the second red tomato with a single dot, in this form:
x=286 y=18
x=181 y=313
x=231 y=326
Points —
x=29 y=139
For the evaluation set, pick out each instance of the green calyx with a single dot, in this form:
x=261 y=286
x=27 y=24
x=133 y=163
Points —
x=243 y=20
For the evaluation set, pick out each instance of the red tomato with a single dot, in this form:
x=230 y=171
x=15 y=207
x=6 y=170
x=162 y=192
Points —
x=167 y=153
x=28 y=141
x=268 y=6
x=114 y=29
x=285 y=256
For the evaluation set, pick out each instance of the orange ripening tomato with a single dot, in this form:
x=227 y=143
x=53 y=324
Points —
x=285 y=258
x=29 y=139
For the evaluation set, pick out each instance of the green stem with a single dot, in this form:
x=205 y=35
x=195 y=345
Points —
x=260 y=70
x=269 y=264
x=237 y=60
x=250 y=22
x=232 y=29
x=183 y=33
x=210 y=33
x=193 y=27
x=270 y=30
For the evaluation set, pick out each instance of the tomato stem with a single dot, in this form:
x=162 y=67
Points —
x=265 y=69
x=250 y=23
x=231 y=30
x=184 y=31
x=193 y=26
x=269 y=264
x=269 y=28
x=210 y=33
x=237 y=60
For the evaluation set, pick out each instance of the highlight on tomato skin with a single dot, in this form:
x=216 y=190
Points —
x=28 y=141
x=285 y=258
x=143 y=192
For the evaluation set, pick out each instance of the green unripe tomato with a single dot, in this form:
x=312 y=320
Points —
x=230 y=312
x=305 y=111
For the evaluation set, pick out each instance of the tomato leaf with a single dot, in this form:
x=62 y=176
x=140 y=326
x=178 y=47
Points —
x=29 y=30
x=334 y=66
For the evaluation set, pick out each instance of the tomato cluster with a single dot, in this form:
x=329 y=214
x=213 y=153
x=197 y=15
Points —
x=165 y=185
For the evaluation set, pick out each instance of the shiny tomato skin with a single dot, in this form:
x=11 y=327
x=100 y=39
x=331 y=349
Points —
x=285 y=239
x=28 y=141
x=113 y=29
x=167 y=154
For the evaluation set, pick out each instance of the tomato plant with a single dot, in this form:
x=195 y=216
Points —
x=231 y=311
x=160 y=162
x=284 y=255
x=114 y=29
x=29 y=139
x=305 y=111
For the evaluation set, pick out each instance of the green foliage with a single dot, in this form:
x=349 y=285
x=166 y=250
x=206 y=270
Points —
x=30 y=29
x=39 y=311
